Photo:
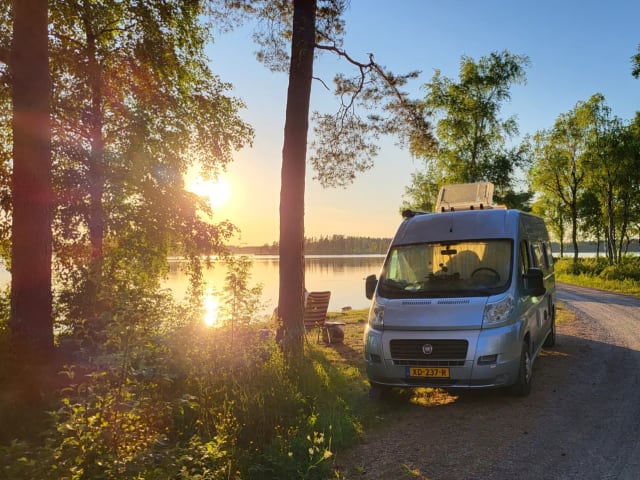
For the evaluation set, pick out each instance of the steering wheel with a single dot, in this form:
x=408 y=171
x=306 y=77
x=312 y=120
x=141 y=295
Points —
x=487 y=269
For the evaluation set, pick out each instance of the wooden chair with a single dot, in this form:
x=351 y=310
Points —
x=315 y=316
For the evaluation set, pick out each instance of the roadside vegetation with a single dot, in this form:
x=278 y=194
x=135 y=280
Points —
x=623 y=277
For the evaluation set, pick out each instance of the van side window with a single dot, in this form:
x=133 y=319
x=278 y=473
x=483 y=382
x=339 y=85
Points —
x=538 y=256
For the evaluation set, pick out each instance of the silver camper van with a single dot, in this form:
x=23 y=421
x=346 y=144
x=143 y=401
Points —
x=465 y=298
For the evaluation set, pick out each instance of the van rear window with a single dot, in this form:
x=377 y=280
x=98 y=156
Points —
x=469 y=268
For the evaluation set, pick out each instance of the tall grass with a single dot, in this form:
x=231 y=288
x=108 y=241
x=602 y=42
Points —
x=623 y=277
x=180 y=400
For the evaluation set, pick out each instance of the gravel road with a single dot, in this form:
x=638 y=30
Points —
x=581 y=420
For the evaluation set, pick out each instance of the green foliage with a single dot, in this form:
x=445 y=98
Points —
x=5 y=312
x=6 y=166
x=160 y=395
x=241 y=301
x=584 y=266
x=585 y=167
x=470 y=132
x=422 y=192
x=635 y=62
x=135 y=105
x=622 y=277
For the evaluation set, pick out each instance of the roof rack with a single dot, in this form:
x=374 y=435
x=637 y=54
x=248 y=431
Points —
x=465 y=196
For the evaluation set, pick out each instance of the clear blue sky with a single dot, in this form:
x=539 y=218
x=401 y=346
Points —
x=577 y=48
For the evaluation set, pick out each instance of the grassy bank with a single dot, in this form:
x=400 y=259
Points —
x=193 y=403
x=597 y=273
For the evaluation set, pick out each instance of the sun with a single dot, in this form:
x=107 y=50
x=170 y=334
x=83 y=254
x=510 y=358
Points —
x=218 y=191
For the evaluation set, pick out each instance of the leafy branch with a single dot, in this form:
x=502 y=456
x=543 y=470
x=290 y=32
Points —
x=635 y=61
x=345 y=141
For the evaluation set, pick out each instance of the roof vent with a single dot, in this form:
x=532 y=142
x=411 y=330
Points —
x=465 y=196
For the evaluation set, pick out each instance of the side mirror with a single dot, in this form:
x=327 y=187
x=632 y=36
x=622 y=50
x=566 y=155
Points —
x=534 y=282
x=370 y=284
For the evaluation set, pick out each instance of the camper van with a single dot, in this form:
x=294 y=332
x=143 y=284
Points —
x=465 y=297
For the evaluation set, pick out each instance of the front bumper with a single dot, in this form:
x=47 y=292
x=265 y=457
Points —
x=492 y=357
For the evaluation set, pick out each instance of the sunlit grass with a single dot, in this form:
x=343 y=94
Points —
x=597 y=273
x=628 y=287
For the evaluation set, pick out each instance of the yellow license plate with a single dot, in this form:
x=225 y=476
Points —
x=434 y=372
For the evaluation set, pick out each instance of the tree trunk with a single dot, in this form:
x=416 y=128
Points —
x=561 y=228
x=294 y=155
x=574 y=231
x=611 y=232
x=31 y=311
x=96 y=182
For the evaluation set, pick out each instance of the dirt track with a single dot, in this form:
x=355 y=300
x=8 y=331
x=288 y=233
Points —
x=581 y=421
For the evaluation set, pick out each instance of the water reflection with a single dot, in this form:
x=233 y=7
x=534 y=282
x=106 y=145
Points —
x=211 y=305
x=342 y=275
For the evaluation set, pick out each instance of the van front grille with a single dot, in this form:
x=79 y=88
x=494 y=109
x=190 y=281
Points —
x=416 y=350
x=429 y=363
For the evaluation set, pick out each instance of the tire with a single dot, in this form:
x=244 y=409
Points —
x=522 y=387
x=379 y=392
x=550 y=341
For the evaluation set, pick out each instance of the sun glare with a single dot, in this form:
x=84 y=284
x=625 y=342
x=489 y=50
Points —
x=217 y=191
x=211 y=310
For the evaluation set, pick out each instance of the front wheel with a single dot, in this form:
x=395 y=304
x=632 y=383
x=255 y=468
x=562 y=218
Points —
x=522 y=387
x=550 y=341
x=379 y=392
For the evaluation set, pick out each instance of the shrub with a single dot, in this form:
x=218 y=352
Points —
x=627 y=269
x=583 y=266
x=164 y=396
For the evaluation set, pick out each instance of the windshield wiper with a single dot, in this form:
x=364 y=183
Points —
x=393 y=285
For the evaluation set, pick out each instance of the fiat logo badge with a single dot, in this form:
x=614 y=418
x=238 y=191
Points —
x=427 y=349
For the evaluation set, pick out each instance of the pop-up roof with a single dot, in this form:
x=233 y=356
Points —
x=465 y=196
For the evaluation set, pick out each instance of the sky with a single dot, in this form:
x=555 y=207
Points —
x=576 y=47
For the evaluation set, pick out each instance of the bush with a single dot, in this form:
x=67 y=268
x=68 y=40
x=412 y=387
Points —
x=157 y=394
x=627 y=269
x=583 y=266
x=623 y=277
x=188 y=402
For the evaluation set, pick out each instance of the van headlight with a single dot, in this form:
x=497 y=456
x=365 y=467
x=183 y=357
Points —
x=498 y=312
x=376 y=316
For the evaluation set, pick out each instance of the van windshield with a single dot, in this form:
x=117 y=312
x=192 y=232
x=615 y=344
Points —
x=460 y=269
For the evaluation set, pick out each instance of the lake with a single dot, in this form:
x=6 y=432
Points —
x=343 y=275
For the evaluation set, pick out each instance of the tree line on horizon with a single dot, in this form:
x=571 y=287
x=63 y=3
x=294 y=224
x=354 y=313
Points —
x=325 y=245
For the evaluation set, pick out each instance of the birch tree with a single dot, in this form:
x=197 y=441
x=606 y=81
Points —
x=472 y=135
